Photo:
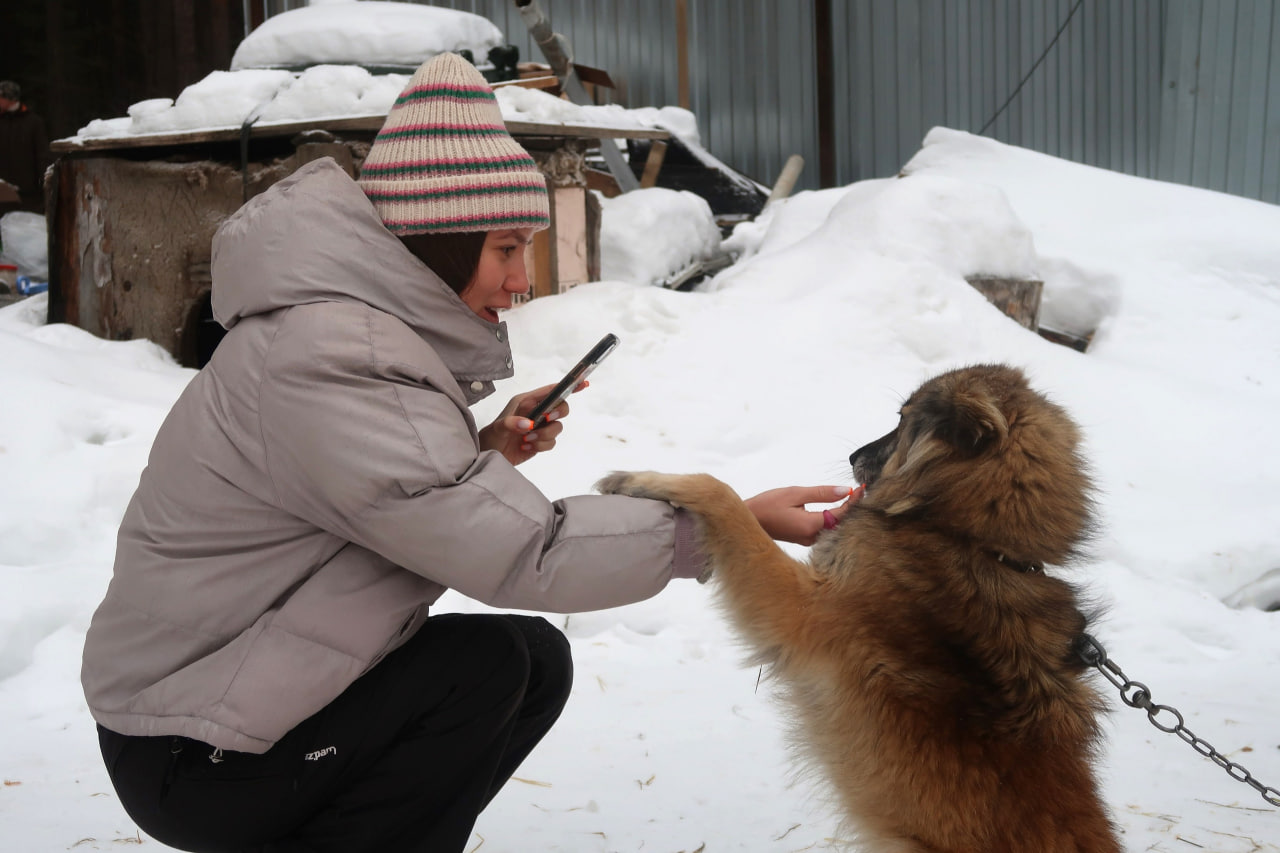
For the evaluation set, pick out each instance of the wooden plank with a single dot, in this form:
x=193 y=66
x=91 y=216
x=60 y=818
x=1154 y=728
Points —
x=583 y=131
x=653 y=165
x=223 y=134
x=551 y=82
x=594 y=214
x=571 y=253
x=602 y=182
x=540 y=262
x=371 y=124
x=594 y=76
x=1016 y=298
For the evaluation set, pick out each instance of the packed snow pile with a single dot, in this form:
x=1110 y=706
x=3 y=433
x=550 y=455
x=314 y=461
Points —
x=926 y=220
x=227 y=99
x=374 y=33
x=677 y=227
x=521 y=104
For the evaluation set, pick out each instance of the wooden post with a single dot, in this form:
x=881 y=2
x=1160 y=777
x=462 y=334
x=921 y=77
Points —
x=786 y=179
x=594 y=216
x=682 y=52
x=540 y=261
x=825 y=85
x=653 y=163
x=571 y=237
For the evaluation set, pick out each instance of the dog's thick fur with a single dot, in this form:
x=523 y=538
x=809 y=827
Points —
x=927 y=657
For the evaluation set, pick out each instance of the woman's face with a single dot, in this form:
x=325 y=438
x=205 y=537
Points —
x=500 y=273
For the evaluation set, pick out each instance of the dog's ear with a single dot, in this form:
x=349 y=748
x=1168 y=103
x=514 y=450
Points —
x=975 y=421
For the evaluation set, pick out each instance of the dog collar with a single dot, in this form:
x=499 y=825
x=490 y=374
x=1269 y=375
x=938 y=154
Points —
x=1025 y=568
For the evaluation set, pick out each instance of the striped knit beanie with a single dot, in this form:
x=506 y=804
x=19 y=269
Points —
x=444 y=161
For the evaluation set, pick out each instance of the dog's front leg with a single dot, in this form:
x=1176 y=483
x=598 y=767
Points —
x=767 y=592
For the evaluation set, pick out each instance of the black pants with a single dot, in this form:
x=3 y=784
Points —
x=404 y=760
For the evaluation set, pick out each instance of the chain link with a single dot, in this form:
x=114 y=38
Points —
x=1135 y=694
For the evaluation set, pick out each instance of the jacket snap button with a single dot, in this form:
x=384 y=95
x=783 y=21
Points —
x=508 y=364
x=498 y=333
x=477 y=386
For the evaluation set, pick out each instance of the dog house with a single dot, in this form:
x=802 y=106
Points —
x=131 y=219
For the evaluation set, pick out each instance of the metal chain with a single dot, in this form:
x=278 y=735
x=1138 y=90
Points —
x=1135 y=694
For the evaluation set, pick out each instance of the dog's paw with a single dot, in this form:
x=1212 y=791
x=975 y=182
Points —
x=635 y=484
x=615 y=483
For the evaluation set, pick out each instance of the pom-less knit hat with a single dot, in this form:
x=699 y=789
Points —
x=444 y=161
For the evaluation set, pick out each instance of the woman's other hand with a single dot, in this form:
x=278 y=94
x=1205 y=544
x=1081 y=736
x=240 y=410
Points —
x=782 y=514
x=513 y=435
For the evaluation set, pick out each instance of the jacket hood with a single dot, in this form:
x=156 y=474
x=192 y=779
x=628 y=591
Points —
x=315 y=237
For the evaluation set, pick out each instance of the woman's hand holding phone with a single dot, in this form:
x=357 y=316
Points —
x=531 y=421
x=575 y=379
x=513 y=435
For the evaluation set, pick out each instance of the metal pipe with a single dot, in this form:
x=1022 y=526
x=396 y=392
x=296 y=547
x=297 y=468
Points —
x=560 y=57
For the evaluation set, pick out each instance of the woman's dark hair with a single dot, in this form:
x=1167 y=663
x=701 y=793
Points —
x=453 y=256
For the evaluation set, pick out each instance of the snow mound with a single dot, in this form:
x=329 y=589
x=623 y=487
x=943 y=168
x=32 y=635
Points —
x=370 y=33
x=677 y=227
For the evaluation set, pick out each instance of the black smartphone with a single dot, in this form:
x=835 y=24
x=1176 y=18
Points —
x=571 y=379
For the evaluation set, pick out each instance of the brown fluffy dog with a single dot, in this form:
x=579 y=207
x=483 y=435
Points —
x=928 y=660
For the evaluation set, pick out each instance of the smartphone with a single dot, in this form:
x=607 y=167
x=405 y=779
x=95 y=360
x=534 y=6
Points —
x=571 y=379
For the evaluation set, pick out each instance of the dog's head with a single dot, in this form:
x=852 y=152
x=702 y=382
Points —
x=979 y=454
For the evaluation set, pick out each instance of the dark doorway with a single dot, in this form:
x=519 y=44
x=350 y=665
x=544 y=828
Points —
x=201 y=334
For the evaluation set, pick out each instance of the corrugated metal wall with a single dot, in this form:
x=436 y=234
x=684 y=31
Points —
x=751 y=74
x=915 y=64
x=1180 y=90
x=1220 y=111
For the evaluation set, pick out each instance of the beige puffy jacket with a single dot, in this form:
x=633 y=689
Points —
x=319 y=484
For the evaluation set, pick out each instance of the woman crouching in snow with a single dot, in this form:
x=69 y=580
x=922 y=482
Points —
x=263 y=669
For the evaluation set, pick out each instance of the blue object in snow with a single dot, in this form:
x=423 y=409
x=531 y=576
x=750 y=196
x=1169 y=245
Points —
x=28 y=287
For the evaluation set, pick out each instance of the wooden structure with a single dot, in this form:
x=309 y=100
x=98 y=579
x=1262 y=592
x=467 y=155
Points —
x=131 y=219
x=1018 y=299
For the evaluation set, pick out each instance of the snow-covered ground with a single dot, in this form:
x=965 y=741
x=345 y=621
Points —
x=842 y=301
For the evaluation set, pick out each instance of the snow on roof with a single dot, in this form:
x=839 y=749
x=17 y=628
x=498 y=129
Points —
x=336 y=43
x=372 y=33
x=226 y=99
